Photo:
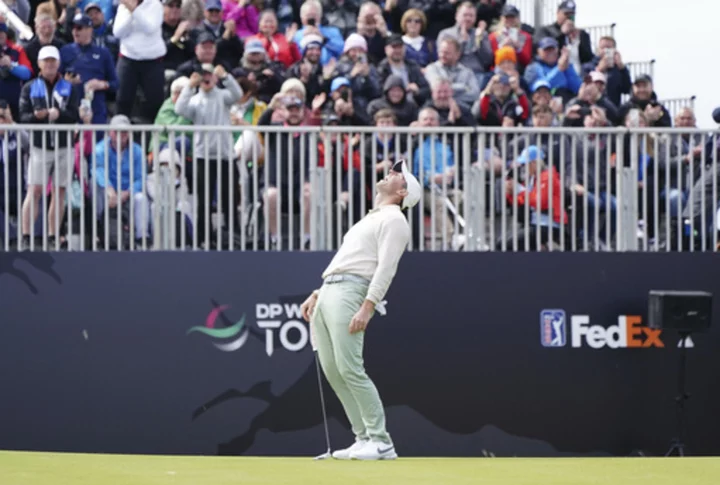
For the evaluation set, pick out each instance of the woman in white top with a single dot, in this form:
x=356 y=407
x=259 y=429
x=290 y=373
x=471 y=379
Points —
x=138 y=26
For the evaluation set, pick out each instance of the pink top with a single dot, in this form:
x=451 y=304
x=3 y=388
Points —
x=246 y=18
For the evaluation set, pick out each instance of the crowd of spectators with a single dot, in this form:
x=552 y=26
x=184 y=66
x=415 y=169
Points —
x=387 y=63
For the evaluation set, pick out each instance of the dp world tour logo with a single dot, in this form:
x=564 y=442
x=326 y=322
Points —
x=235 y=335
x=281 y=322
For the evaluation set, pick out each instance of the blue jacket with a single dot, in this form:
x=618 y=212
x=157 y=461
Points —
x=105 y=5
x=334 y=42
x=443 y=153
x=138 y=166
x=555 y=77
x=91 y=62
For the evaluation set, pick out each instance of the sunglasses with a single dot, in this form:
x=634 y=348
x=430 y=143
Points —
x=414 y=21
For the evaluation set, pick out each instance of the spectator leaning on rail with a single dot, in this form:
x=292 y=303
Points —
x=476 y=53
x=311 y=18
x=125 y=159
x=48 y=99
x=44 y=35
x=466 y=88
x=214 y=150
x=609 y=62
x=645 y=99
x=396 y=63
x=90 y=66
x=14 y=69
x=138 y=25
x=553 y=66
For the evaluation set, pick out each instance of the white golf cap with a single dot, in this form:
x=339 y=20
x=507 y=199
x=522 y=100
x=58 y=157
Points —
x=120 y=120
x=49 y=52
x=414 y=190
x=169 y=155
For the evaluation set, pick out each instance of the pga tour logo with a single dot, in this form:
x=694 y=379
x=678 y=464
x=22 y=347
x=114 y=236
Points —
x=281 y=322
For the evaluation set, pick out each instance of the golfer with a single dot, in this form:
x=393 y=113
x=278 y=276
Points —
x=354 y=286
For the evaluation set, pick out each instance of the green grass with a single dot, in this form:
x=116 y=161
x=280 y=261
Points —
x=20 y=468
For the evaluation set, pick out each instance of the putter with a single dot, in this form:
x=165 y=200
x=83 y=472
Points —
x=328 y=453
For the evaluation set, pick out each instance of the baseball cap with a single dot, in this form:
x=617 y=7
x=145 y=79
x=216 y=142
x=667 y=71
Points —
x=339 y=82
x=510 y=11
x=547 y=43
x=91 y=6
x=119 y=120
x=82 y=20
x=394 y=39
x=293 y=102
x=567 y=6
x=239 y=72
x=254 y=46
x=643 y=78
x=49 y=52
x=529 y=154
x=205 y=37
x=309 y=40
x=597 y=76
x=206 y=68
x=169 y=155
x=213 y=5
x=539 y=84
x=414 y=191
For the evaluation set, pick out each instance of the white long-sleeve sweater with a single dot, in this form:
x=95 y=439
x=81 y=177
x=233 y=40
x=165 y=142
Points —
x=140 y=31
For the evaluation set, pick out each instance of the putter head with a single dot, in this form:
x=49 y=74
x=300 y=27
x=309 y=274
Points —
x=324 y=456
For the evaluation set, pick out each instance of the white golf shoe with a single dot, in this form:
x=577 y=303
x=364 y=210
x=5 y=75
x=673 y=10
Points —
x=345 y=454
x=374 y=450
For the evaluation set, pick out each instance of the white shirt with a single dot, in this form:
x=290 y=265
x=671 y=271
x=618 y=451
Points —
x=372 y=249
x=140 y=32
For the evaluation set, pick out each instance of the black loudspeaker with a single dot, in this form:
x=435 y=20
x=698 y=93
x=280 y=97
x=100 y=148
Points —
x=684 y=311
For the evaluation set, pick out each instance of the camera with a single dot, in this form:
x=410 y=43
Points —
x=345 y=95
x=312 y=22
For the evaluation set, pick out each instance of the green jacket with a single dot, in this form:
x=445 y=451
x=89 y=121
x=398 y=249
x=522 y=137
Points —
x=167 y=116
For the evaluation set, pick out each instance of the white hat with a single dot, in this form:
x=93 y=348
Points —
x=169 y=155
x=414 y=191
x=598 y=76
x=49 y=52
x=119 y=120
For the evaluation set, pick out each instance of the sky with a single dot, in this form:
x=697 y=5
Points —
x=679 y=35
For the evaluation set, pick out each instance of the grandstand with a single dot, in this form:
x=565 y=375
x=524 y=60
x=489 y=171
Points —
x=460 y=97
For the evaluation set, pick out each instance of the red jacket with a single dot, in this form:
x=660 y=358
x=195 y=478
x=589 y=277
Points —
x=280 y=50
x=541 y=190
x=333 y=157
x=524 y=54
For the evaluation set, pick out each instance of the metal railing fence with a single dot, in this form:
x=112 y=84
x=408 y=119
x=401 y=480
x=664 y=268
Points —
x=302 y=188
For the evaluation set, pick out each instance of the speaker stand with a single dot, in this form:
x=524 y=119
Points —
x=678 y=445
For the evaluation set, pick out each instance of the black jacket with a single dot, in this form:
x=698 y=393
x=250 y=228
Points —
x=229 y=51
x=415 y=75
x=67 y=106
x=664 y=121
x=554 y=31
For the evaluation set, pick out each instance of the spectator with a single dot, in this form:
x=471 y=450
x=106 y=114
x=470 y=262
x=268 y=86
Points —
x=21 y=8
x=91 y=66
x=139 y=28
x=541 y=96
x=205 y=53
x=14 y=147
x=245 y=14
x=547 y=212
x=419 y=49
x=308 y=69
x=490 y=11
x=124 y=160
x=311 y=18
x=645 y=99
x=506 y=63
x=395 y=99
x=355 y=66
x=465 y=85
x=342 y=14
x=211 y=107
x=383 y=147
x=176 y=34
x=555 y=145
x=229 y=45
x=396 y=63
x=268 y=75
x=556 y=70
x=344 y=103
x=610 y=63
x=371 y=25
x=168 y=117
x=44 y=35
x=590 y=94
x=450 y=112
x=48 y=99
x=474 y=43
x=288 y=161
x=276 y=112
x=502 y=100
x=106 y=8
x=14 y=69
x=279 y=47
x=288 y=12
x=567 y=35
x=58 y=10
x=247 y=112
x=441 y=12
x=166 y=185
x=102 y=32
x=434 y=164
x=508 y=33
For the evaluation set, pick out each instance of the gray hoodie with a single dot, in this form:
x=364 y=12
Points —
x=211 y=108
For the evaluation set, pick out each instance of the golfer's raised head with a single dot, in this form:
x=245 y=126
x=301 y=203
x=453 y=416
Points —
x=414 y=190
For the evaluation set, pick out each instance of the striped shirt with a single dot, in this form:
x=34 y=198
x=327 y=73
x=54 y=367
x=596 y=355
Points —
x=372 y=249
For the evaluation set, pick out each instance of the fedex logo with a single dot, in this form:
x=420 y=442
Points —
x=628 y=333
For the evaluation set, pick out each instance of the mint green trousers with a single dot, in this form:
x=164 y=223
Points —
x=341 y=358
